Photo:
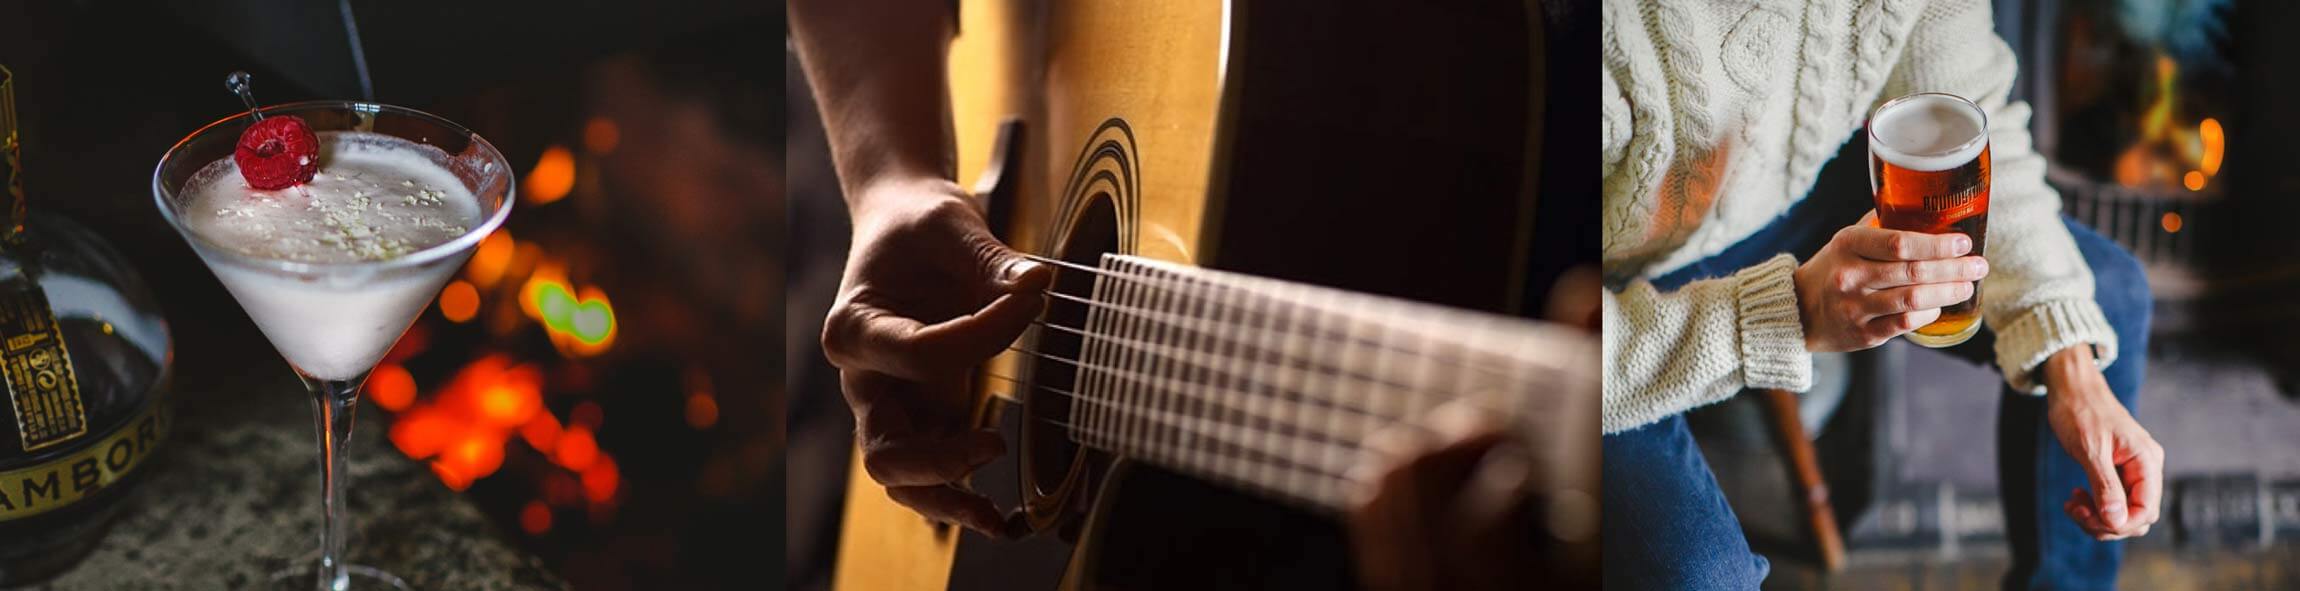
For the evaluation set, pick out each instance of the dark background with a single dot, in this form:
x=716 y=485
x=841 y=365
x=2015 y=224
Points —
x=681 y=221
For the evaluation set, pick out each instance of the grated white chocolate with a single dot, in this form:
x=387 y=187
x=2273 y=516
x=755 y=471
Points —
x=375 y=197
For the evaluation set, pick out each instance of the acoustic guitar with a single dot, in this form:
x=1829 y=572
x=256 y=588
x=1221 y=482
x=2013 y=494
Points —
x=1279 y=227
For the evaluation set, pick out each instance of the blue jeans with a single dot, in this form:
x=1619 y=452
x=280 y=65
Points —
x=1667 y=525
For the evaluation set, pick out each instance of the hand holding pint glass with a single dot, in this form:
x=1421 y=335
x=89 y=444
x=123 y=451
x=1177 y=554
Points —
x=1915 y=269
x=1929 y=167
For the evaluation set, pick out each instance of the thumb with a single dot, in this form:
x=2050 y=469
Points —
x=2107 y=489
x=976 y=337
x=1015 y=273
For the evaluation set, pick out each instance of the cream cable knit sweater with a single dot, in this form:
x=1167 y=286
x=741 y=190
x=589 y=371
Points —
x=1717 y=117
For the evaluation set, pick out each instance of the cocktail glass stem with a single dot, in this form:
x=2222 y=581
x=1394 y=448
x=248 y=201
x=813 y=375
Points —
x=333 y=404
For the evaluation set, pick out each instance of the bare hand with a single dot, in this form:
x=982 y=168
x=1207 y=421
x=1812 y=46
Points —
x=928 y=295
x=1441 y=510
x=2125 y=463
x=1870 y=284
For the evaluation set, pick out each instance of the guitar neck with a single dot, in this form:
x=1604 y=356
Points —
x=1274 y=387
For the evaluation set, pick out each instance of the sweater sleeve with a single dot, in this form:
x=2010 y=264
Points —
x=1666 y=353
x=2038 y=295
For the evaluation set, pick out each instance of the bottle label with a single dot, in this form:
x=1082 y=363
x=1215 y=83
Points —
x=58 y=483
x=41 y=386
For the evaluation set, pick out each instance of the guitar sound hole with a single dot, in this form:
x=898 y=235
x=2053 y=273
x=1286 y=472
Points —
x=1051 y=453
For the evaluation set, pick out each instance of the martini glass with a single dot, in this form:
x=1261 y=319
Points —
x=334 y=321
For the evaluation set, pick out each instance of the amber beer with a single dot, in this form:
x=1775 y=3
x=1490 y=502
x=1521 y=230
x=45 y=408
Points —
x=1929 y=167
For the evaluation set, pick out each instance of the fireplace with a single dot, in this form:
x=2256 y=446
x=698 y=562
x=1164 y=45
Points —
x=2163 y=132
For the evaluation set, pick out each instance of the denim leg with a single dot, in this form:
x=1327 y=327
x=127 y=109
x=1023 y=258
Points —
x=1666 y=523
x=2035 y=474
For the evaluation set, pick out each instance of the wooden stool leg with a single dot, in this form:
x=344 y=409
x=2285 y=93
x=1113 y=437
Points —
x=1789 y=431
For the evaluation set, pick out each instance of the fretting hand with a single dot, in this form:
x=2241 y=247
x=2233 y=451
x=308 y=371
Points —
x=1439 y=509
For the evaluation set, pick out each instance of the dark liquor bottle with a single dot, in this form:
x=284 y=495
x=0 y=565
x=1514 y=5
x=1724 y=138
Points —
x=83 y=362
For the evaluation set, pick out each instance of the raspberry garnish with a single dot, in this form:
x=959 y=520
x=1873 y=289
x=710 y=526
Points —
x=277 y=152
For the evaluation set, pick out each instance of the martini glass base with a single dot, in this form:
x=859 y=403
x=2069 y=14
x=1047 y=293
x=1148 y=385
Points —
x=363 y=578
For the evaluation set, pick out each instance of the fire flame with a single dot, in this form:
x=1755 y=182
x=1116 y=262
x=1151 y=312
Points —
x=2170 y=154
x=464 y=427
x=553 y=176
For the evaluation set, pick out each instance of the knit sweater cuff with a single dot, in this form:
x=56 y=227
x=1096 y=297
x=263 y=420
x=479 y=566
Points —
x=1773 y=351
x=2046 y=328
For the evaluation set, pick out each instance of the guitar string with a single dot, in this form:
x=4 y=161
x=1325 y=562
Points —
x=1198 y=329
x=1169 y=281
x=1257 y=453
x=1155 y=350
x=1197 y=426
x=1168 y=320
x=1228 y=438
x=1142 y=378
x=1171 y=278
x=1147 y=352
x=1202 y=281
x=1167 y=352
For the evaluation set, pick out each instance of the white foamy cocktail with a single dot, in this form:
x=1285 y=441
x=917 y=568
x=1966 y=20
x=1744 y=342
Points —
x=375 y=198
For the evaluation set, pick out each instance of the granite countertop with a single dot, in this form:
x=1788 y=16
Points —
x=234 y=496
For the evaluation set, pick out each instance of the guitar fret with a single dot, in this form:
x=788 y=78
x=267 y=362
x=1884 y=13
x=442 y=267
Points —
x=1233 y=386
x=1362 y=392
x=1212 y=349
x=1088 y=382
x=1158 y=296
x=1270 y=404
x=1189 y=391
x=1130 y=403
x=1408 y=407
x=1153 y=398
x=1328 y=356
x=1298 y=346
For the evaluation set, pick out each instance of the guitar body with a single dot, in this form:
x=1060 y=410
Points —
x=1385 y=149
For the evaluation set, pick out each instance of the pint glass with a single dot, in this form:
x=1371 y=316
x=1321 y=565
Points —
x=1929 y=168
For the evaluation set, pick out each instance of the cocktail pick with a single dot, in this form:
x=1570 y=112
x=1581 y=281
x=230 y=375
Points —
x=237 y=82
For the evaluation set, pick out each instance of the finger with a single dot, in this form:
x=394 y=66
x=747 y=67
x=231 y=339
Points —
x=1389 y=531
x=1577 y=298
x=2079 y=509
x=975 y=338
x=1497 y=490
x=1898 y=245
x=918 y=460
x=1464 y=433
x=1892 y=325
x=950 y=504
x=1374 y=534
x=886 y=406
x=2144 y=478
x=1964 y=269
x=862 y=336
x=2107 y=490
x=1910 y=298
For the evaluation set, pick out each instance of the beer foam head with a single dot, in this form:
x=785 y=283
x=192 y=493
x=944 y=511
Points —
x=1927 y=132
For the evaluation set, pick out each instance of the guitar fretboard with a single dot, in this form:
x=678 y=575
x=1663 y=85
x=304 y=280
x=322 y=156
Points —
x=1274 y=387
